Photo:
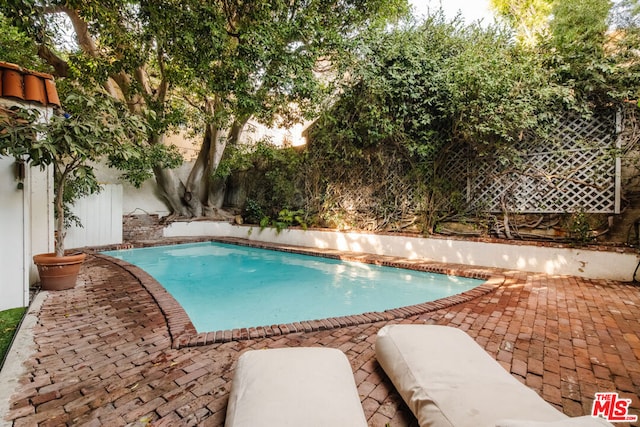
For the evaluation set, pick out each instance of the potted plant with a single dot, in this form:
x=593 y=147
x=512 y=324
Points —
x=92 y=127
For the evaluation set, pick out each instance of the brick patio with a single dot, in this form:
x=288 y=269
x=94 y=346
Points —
x=105 y=355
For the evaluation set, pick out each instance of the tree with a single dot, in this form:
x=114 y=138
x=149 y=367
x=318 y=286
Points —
x=590 y=45
x=529 y=18
x=578 y=34
x=213 y=65
x=93 y=127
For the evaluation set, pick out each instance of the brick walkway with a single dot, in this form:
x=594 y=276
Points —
x=104 y=353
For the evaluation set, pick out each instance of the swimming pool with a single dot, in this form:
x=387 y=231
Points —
x=225 y=286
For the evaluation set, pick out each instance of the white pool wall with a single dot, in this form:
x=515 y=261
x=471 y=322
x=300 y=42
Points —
x=595 y=264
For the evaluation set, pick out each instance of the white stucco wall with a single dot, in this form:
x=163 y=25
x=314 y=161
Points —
x=12 y=249
x=26 y=226
x=550 y=260
x=139 y=200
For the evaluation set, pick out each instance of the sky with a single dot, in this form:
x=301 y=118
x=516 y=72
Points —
x=471 y=10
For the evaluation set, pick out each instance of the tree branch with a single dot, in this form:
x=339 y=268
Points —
x=163 y=88
x=123 y=80
x=86 y=43
x=60 y=66
x=231 y=17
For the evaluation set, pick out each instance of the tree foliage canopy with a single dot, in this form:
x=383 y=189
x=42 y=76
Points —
x=590 y=45
x=211 y=65
x=529 y=18
x=16 y=47
x=423 y=87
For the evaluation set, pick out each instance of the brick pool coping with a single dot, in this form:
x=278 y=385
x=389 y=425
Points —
x=184 y=334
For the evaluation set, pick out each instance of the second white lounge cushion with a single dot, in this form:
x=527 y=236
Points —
x=448 y=380
x=304 y=386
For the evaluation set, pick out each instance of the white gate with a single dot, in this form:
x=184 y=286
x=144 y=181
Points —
x=101 y=218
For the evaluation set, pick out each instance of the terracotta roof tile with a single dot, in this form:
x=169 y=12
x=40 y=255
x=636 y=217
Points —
x=19 y=83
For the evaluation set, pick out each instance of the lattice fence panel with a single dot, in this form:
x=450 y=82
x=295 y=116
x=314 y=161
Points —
x=573 y=172
x=372 y=194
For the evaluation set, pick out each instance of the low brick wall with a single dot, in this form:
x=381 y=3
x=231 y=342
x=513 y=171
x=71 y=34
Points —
x=141 y=227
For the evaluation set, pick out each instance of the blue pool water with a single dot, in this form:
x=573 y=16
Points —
x=225 y=286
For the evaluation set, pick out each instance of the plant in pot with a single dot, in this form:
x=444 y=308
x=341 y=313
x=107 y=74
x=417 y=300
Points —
x=92 y=127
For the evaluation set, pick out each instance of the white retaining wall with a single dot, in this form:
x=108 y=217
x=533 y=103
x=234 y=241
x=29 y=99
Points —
x=550 y=260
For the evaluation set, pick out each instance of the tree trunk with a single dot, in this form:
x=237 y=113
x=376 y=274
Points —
x=194 y=194
x=199 y=196
x=203 y=194
x=60 y=231
x=216 y=189
x=170 y=190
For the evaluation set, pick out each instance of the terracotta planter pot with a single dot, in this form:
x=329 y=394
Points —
x=58 y=273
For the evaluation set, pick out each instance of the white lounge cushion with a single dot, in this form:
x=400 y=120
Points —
x=448 y=380
x=304 y=386
x=585 y=421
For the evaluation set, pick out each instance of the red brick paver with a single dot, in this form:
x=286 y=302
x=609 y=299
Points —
x=105 y=356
